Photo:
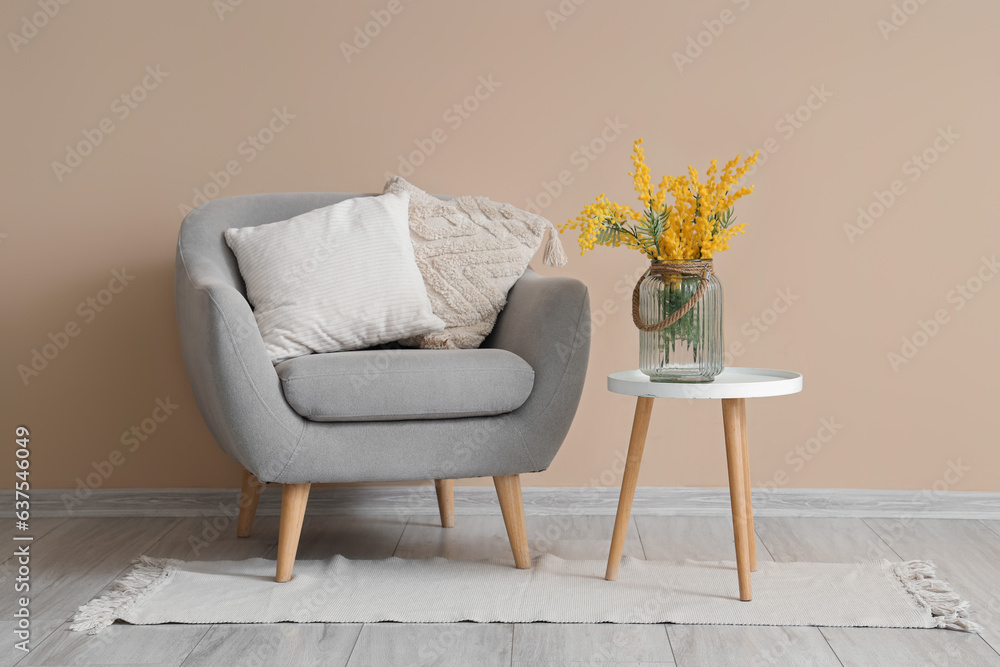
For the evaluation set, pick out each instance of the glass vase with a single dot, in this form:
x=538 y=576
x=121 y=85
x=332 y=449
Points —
x=690 y=349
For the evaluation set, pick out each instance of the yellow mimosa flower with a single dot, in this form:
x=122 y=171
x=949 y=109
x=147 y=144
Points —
x=696 y=225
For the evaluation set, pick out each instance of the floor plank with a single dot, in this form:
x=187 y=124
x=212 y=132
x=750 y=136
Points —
x=578 y=537
x=478 y=537
x=891 y=647
x=210 y=538
x=356 y=537
x=678 y=538
x=472 y=538
x=575 y=663
x=10 y=656
x=724 y=645
x=993 y=525
x=8 y=570
x=77 y=557
x=814 y=539
x=119 y=644
x=551 y=643
x=39 y=529
x=822 y=540
x=303 y=644
x=80 y=557
x=967 y=555
x=852 y=540
x=444 y=645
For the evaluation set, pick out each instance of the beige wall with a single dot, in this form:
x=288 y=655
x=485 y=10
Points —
x=885 y=98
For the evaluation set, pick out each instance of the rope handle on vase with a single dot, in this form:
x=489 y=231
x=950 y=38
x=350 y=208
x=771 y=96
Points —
x=702 y=268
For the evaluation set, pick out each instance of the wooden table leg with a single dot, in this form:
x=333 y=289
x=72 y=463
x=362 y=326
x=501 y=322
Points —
x=640 y=425
x=746 y=485
x=732 y=410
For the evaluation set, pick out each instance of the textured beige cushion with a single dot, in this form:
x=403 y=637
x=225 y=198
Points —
x=470 y=251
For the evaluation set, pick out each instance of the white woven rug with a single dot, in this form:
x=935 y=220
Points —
x=872 y=594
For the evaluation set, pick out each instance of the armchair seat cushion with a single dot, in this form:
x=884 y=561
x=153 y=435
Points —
x=399 y=384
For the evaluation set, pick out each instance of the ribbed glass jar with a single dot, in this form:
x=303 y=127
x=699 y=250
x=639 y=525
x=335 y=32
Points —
x=691 y=349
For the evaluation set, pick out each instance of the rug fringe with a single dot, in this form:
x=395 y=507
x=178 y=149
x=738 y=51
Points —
x=947 y=609
x=147 y=576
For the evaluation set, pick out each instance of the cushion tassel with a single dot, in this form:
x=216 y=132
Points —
x=554 y=253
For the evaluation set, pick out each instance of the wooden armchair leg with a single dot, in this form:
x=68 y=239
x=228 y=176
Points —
x=293 y=510
x=445 y=489
x=249 y=495
x=512 y=507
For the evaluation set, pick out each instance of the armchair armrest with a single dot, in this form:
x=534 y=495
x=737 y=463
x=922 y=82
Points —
x=546 y=322
x=234 y=382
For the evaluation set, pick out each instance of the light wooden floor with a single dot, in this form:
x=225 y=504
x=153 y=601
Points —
x=74 y=559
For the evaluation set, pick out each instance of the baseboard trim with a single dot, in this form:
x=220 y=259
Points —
x=472 y=500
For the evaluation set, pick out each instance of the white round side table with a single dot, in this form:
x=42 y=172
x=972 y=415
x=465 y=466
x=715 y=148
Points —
x=733 y=387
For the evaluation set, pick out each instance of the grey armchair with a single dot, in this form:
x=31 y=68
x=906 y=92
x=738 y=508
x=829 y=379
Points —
x=374 y=415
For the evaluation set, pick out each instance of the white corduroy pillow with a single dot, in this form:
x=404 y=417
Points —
x=343 y=277
x=471 y=251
